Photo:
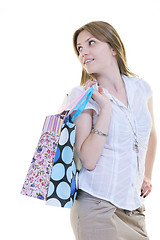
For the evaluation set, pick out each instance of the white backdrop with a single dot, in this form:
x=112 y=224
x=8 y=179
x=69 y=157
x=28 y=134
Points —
x=37 y=68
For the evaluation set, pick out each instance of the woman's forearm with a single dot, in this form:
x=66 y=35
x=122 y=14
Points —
x=93 y=146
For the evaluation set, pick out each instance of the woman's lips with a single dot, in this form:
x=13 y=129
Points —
x=88 y=61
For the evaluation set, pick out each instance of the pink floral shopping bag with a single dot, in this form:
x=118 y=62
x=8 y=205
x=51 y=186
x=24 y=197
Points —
x=38 y=176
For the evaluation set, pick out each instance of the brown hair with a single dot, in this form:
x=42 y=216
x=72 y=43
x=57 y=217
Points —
x=106 y=33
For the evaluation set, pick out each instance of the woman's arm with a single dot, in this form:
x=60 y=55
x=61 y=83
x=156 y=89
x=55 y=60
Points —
x=88 y=145
x=150 y=156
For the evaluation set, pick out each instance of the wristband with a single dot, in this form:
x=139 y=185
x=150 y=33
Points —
x=99 y=133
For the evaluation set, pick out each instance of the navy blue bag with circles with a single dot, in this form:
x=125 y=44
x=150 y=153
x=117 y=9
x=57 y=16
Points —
x=63 y=185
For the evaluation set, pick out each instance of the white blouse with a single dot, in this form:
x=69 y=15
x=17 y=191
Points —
x=116 y=177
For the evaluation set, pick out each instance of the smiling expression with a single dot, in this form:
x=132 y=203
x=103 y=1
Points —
x=95 y=56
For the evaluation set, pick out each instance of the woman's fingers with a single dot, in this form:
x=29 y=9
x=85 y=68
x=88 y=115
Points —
x=146 y=187
x=89 y=83
x=100 y=90
x=98 y=96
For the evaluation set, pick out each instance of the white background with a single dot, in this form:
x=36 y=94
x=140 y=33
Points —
x=37 y=68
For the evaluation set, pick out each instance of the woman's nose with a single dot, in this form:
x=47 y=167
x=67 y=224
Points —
x=83 y=55
x=84 y=52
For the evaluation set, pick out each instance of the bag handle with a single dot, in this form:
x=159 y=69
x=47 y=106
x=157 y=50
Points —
x=79 y=103
x=74 y=102
x=82 y=103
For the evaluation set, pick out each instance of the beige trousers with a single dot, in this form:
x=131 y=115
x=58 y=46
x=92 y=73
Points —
x=96 y=219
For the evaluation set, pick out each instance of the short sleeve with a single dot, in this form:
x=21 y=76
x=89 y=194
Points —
x=75 y=93
x=146 y=88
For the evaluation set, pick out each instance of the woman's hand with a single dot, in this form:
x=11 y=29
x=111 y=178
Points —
x=99 y=95
x=146 y=187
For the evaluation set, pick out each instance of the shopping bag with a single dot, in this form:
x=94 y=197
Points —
x=63 y=185
x=46 y=154
x=38 y=176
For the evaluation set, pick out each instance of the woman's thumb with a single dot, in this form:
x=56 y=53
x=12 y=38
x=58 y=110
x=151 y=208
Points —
x=100 y=89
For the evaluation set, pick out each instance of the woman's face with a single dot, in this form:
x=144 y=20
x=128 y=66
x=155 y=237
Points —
x=95 y=56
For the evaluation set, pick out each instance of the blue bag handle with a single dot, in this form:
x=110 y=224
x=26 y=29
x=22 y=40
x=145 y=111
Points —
x=82 y=105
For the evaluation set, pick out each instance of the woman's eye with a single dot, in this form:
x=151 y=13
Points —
x=79 y=49
x=91 y=42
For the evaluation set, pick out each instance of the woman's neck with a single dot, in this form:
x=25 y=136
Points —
x=112 y=82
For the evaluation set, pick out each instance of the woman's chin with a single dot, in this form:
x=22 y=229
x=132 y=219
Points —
x=89 y=71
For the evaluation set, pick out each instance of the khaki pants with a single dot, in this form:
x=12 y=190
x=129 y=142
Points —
x=96 y=219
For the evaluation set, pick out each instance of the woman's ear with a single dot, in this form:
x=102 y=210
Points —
x=113 y=52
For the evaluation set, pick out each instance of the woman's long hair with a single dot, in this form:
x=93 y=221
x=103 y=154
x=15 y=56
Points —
x=106 y=33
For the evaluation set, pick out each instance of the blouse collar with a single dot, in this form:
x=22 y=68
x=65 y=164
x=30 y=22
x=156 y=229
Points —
x=129 y=90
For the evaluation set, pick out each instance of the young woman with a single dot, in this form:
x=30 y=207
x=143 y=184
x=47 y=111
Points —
x=115 y=140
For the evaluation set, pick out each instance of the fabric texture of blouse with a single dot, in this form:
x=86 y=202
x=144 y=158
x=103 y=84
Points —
x=116 y=177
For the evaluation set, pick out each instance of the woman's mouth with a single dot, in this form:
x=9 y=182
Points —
x=88 y=61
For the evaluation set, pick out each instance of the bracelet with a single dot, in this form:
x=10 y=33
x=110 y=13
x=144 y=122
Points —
x=99 y=132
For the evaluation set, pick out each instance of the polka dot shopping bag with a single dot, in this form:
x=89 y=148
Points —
x=52 y=174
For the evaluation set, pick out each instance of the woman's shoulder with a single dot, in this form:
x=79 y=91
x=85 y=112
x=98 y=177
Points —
x=141 y=83
x=76 y=91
